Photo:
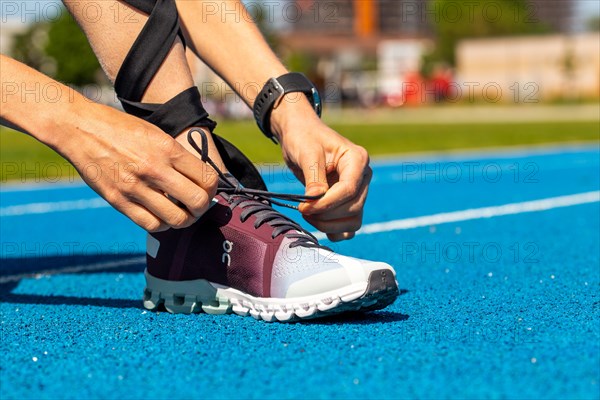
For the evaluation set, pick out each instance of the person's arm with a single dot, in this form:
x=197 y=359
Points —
x=233 y=46
x=321 y=158
x=129 y=162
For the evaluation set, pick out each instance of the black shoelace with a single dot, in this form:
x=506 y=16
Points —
x=258 y=202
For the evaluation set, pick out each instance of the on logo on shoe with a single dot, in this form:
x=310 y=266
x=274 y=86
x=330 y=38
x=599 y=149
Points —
x=227 y=247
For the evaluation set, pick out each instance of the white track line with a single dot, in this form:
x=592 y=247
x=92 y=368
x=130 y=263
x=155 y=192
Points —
x=400 y=224
x=45 y=208
x=75 y=269
x=478 y=213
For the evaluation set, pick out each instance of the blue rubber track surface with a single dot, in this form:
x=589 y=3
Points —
x=500 y=307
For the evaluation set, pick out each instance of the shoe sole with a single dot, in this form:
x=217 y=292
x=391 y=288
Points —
x=187 y=297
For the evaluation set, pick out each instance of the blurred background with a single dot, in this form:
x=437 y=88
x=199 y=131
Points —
x=396 y=76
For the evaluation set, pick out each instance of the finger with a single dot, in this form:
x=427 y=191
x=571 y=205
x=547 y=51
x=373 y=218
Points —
x=353 y=176
x=164 y=209
x=338 y=237
x=351 y=208
x=314 y=172
x=142 y=217
x=188 y=193
x=342 y=225
x=196 y=170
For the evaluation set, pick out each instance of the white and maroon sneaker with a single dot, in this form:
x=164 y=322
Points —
x=243 y=256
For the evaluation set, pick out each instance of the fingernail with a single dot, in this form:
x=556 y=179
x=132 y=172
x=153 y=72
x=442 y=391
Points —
x=302 y=207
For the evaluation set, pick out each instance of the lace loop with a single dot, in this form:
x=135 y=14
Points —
x=235 y=187
x=258 y=202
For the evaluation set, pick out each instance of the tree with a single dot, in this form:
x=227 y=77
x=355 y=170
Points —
x=60 y=50
x=69 y=48
x=457 y=20
x=28 y=47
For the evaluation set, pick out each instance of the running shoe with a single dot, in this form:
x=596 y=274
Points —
x=245 y=257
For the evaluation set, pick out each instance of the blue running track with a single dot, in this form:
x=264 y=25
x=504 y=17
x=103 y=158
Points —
x=497 y=256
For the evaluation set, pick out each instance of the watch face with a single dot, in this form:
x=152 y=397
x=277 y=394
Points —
x=317 y=101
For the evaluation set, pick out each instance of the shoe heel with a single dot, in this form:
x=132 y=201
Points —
x=184 y=297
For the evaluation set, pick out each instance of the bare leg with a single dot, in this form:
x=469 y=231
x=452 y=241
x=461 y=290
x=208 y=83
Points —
x=112 y=34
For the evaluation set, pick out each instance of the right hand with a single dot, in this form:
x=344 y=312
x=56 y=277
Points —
x=133 y=165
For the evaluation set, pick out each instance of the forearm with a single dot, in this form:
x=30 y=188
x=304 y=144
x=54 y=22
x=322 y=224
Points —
x=233 y=46
x=35 y=104
x=230 y=44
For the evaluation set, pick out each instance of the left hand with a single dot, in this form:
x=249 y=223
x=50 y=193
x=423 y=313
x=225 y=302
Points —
x=326 y=162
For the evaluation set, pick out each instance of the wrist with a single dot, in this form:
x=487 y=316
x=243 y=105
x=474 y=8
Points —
x=293 y=112
x=63 y=132
x=285 y=100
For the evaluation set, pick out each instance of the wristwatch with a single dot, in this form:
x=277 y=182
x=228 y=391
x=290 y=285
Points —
x=272 y=94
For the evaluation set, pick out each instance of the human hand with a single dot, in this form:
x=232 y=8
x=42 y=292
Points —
x=326 y=162
x=133 y=165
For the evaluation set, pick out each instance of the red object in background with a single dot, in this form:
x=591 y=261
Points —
x=412 y=88
x=305 y=4
x=417 y=91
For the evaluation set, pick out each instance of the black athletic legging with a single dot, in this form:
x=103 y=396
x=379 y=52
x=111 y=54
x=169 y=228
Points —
x=184 y=110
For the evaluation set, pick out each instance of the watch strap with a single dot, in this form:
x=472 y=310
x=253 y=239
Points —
x=272 y=94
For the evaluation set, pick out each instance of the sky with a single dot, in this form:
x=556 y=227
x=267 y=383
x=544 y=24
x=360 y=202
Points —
x=589 y=7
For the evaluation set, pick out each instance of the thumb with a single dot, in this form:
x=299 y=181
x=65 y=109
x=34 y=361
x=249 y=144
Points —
x=314 y=171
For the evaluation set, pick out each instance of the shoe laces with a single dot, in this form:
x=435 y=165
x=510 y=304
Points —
x=258 y=202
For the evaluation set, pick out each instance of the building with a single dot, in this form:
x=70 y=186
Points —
x=325 y=25
x=398 y=33
x=530 y=69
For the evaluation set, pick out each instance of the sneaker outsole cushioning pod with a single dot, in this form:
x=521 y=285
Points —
x=242 y=256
